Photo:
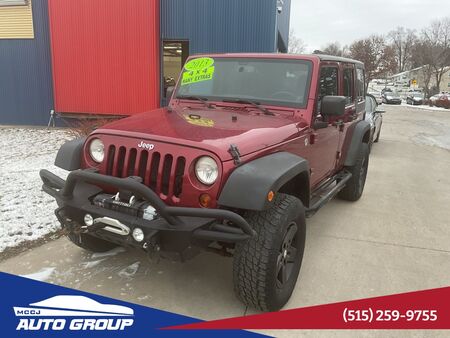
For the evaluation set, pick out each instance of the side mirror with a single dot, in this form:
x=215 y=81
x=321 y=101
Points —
x=320 y=125
x=169 y=92
x=333 y=105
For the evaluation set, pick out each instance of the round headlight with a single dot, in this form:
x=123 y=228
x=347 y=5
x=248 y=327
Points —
x=97 y=150
x=206 y=170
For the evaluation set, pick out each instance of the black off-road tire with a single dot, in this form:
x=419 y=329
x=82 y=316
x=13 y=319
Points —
x=90 y=243
x=258 y=262
x=355 y=186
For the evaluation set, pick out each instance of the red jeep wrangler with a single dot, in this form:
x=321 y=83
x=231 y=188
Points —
x=249 y=146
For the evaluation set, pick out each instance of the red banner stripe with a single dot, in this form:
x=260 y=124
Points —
x=427 y=309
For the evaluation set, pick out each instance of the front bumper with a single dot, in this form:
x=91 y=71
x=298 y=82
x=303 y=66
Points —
x=176 y=228
x=393 y=101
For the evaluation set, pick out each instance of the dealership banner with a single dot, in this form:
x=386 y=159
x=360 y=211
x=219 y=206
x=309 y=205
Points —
x=427 y=309
x=30 y=307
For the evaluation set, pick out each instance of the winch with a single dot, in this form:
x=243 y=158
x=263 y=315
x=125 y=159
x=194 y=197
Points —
x=131 y=206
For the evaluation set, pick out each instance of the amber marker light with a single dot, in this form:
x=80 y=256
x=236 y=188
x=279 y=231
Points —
x=270 y=196
x=205 y=200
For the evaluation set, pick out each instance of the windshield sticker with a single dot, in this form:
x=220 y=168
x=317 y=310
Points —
x=198 y=70
x=198 y=120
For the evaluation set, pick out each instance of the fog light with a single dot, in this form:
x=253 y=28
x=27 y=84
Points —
x=205 y=200
x=138 y=235
x=88 y=220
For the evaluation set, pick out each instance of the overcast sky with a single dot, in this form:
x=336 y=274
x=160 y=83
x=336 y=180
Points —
x=318 y=22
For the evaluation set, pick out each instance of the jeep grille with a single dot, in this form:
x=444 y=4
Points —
x=161 y=172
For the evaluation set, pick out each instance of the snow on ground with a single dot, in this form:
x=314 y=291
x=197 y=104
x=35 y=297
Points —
x=41 y=275
x=130 y=270
x=26 y=213
x=426 y=107
x=112 y=252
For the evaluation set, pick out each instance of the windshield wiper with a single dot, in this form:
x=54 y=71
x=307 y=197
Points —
x=250 y=102
x=196 y=98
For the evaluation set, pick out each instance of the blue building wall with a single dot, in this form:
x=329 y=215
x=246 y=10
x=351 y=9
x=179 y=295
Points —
x=283 y=20
x=217 y=26
x=26 y=90
x=211 y=26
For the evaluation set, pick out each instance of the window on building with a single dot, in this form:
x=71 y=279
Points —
x=348 y=85
x=16 y=19
x=175 y=54
x=360 y=84
x=4 y=3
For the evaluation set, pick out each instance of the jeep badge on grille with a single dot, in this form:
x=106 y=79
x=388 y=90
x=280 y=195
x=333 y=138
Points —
x=148 y=146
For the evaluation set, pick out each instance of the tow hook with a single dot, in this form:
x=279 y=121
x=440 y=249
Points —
x=153 y=250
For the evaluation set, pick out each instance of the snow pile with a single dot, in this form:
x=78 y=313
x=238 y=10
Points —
x=26 y=213
x=425 y=107
x=42 y=275
x=129 y=271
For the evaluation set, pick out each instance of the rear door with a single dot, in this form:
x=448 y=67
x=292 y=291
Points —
x=353 y=88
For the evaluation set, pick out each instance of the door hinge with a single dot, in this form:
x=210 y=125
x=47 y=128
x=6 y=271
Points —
x=338 y=155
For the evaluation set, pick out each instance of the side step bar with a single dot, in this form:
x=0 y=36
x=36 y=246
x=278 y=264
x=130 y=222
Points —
x=327 y=195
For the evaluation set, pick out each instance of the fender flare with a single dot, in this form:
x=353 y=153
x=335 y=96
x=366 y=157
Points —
x=357 y=139
x=248 y=185
x=69 y=155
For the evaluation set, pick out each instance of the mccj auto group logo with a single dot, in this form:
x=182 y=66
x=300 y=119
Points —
x=75 y=313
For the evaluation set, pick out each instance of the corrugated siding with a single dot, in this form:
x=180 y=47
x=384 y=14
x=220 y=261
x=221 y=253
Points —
x=105 y=55
x=215 y=26
x=283 y=22
x=16 y=22
x=25 y=74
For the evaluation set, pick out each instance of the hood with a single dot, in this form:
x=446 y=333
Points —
x=210 y=129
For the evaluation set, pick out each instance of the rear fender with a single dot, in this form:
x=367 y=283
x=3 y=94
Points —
x=361 y=134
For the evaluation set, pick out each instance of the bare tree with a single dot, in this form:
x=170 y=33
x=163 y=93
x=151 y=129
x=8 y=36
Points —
x=377 y=56
x=333 y=48
x=422 y=56
x=437 y=38
x=403 y=41
x=296 y=45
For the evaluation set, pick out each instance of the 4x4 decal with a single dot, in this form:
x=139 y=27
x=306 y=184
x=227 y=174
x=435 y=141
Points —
x=198 y=70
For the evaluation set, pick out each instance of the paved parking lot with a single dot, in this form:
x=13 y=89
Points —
x=395 y=239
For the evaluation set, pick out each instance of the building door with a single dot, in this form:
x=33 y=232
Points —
x=175 y=54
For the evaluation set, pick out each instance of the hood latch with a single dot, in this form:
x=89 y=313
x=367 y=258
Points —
x=235 y=154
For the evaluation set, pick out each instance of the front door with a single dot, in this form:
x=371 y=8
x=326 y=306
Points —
x=325 y=144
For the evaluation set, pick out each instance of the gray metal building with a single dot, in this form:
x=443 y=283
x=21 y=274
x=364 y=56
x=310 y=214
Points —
x=26 y=94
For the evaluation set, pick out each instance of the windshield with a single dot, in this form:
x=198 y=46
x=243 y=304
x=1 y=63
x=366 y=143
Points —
x=418 y=95
x=277 y=82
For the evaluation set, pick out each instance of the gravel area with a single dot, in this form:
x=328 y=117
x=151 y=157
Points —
x=26 y=213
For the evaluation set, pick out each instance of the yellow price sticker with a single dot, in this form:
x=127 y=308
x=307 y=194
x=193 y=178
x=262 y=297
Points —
x=199 y=121
x=198 y=70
